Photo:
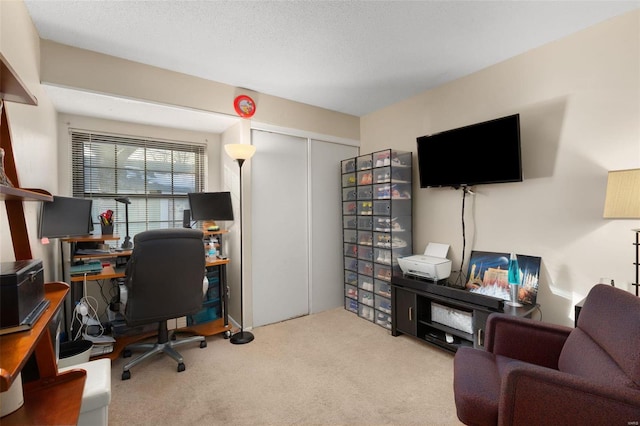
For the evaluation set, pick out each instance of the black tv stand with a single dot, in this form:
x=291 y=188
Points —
x=444 y=316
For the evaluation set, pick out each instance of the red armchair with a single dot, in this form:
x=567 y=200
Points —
x=535 y=373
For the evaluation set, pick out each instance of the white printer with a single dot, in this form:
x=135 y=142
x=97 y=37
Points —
x=433 y=264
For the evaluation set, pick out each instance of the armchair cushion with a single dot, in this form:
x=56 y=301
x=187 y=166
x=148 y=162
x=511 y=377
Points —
x=608 y=328
x=533 y=395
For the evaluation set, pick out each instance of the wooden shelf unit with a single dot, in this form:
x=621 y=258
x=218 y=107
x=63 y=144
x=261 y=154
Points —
x=52 y=398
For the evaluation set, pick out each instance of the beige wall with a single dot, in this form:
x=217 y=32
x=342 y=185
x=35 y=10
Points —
x=578 y=100
x=33 y=128
x=82 y=69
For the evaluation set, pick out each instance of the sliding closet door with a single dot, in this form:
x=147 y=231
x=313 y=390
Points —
x=327 y=275
x=280 y=266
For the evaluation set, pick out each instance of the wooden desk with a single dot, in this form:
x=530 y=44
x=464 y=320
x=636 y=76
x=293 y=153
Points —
x=210 y=328
x=220 y=325
x=107 y=273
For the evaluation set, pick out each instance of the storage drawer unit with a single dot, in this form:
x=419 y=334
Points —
x=376 y=195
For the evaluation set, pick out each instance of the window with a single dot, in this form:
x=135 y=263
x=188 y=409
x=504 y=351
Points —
x=156 y=175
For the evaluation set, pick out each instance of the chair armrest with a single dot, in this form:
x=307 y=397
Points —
x=537 y=395
x=525 y=339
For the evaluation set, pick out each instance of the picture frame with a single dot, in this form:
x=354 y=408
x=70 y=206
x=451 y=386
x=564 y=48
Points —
x=487 y=274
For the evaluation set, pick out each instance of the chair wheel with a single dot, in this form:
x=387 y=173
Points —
x=181 y=367
x=126 y=375
x=126 y=353
x=203 y=344
x=227 y=334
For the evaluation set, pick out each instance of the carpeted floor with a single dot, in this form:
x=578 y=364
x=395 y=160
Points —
x=331 y=368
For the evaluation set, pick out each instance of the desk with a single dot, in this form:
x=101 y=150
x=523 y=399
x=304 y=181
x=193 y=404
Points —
x=210 y=328
x=219 y=325
x=107 y=273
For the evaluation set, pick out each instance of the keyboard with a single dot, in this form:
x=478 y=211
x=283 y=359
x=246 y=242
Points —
x=94 y=267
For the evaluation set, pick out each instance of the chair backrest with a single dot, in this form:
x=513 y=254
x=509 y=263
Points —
x=606 y=343
x=164 y=275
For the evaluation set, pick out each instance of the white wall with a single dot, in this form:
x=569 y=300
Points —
x=32 y=128
x=578 y=100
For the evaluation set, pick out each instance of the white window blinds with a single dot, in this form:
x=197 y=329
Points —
x=156 y=175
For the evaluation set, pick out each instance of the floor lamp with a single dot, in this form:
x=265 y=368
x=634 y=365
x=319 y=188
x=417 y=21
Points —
x=623 y=202
x=126 y=244
x=240 y=153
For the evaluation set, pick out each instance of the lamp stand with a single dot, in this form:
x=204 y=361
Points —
x=637 y=262
x=241 y=337
x=127 y=244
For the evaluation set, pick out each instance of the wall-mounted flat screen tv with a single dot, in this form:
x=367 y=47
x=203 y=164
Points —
x=65 y=217
x=481 y=153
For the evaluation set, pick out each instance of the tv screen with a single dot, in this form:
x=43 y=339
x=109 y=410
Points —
x=210 y=206
x=65 y=217
x=487 y=152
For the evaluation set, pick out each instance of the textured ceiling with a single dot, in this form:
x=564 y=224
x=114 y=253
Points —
x=348 y=56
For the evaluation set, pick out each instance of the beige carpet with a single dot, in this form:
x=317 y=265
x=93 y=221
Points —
x=331 y=368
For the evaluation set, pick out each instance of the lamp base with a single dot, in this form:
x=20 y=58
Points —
x=127 y=244
x=241 y=337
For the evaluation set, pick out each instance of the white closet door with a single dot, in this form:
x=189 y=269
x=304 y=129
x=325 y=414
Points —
x=280 y=242
x=327 y=275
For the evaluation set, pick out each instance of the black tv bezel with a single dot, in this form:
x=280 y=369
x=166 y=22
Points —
x=211 y=197
x=478 y=180
x=46 y=209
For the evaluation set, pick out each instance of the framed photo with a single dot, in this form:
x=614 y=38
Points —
x=487 y=275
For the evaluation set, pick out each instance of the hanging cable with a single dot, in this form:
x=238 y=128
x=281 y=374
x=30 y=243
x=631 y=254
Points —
x=460 y=280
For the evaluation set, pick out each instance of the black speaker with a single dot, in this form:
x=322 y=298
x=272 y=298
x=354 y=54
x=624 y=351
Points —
x=186 y=218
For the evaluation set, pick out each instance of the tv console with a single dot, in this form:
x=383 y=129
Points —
x=444 y=316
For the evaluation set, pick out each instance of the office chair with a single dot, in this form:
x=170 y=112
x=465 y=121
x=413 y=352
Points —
x=164 y=280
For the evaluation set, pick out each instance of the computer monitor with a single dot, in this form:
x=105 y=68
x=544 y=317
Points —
x=210 y=206
x=65 y=217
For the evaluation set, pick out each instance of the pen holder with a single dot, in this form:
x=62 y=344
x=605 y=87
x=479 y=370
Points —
x=107 y=229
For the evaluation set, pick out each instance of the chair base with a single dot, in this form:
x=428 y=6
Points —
x=156 y=348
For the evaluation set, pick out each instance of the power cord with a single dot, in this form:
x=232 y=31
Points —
x=460 y=280
x=85 y=311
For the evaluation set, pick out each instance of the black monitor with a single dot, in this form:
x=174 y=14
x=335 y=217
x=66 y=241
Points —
x=210 y=206
x=65 y=217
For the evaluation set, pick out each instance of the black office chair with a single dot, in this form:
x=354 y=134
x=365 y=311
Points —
x=164 y=280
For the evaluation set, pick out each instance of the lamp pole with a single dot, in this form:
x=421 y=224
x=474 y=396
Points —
x=242 y=336
x=240 y=153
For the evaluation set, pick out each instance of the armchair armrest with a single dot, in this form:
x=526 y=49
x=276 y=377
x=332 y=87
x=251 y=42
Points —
x=525 y=339
x=536 y=395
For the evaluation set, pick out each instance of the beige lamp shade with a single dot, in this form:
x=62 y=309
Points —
x=623 y=195
x=239 y=151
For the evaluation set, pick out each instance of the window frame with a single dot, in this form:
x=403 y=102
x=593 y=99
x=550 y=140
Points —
x=153 y=205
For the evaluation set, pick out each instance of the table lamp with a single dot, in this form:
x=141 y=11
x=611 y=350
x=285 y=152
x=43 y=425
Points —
x=623 y=202
x=127 y=244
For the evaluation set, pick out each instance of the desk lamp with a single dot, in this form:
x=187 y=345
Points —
x=127 y=244
x=240 y=153
x=623 y=202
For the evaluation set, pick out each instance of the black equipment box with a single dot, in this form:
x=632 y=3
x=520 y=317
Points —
x=21 y=290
